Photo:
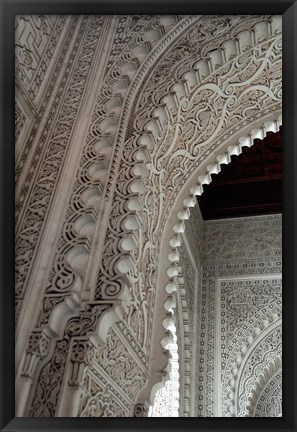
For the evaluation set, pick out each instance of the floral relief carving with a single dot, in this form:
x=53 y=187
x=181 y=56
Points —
x=52 y=164
x=68 y=274
x=170 y=165
x=111 y=239
x=243 y=338
x=133 y=341
x=96 y=146
x=38 y=348
x=48 y=305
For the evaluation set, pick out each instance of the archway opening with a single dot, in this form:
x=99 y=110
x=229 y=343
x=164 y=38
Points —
x=253 y=169
x=240 y=265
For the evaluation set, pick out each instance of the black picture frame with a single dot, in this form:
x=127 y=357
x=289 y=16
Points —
x=8 y=10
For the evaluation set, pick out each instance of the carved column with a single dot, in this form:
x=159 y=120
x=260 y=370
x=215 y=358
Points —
x=82 y=355
x=38 y=349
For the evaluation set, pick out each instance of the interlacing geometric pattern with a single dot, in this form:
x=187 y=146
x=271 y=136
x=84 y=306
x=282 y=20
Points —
x=120 y=120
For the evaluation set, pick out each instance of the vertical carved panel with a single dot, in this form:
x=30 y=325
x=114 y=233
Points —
x=56 y=146
x=241 y=249
x=20 y=119
x=36 y=40
x=141 y=410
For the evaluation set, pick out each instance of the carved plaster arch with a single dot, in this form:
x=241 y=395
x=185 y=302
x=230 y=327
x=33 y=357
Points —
x=168 y=268
x=128 y=243
x=79 y=229
x=81 y=226
x=169 y=112
x=78 y=232
x=154 y=134
x=128 y=238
